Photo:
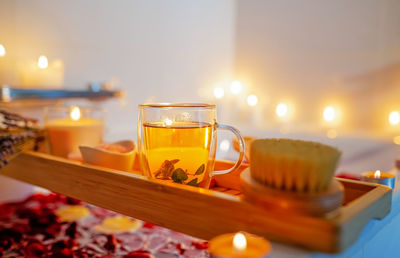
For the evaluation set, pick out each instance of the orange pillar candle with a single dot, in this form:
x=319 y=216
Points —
x=68 y=133
x=239 y=245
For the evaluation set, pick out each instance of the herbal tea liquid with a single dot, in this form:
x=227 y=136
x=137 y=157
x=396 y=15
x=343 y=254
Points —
x=180 y=152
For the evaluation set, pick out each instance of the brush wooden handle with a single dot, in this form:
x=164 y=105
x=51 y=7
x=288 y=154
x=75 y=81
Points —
x=315 y=204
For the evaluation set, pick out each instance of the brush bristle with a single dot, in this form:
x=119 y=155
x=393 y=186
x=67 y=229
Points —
x=293 y=165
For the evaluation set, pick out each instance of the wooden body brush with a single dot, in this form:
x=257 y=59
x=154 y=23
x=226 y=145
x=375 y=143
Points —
x=293 y=174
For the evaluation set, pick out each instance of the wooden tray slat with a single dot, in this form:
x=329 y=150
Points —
x=200 y=212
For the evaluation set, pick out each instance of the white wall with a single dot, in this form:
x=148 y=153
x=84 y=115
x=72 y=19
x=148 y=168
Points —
x=309 y=51
x=155 y=50
x=313 y=52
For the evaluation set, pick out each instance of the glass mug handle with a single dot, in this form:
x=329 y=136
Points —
x=241 y=148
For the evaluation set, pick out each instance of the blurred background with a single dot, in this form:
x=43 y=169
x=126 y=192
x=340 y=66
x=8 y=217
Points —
x=310 y=69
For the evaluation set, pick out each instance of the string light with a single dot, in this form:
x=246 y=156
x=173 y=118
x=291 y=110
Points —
x=329 y=114
x=43 y=63
x=394 y=118
x=219 y=92
x=252 y=100
x=2 y=50
x=281 y=110
x=236 y=87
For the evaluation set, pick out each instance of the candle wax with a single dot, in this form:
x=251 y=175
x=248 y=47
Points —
x=66 y=135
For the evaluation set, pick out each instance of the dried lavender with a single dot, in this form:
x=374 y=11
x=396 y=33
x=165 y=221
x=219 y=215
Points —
x=16 y=134
x=11 y=121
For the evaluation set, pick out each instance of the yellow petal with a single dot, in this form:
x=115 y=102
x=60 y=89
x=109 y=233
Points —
x=72 y=213
x=118 y=224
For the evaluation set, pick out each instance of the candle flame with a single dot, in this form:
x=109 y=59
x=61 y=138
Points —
x=2 y=50
x=75 y=113
x=43 y=63
x=377 y=174
x=239 y=242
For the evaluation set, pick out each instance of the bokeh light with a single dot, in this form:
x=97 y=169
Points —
x=43 y=63
x=252 y=100
x=394 y=118
x=236 y=87
x=219 y=92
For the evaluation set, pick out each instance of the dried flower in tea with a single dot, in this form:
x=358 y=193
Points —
x=167 y=171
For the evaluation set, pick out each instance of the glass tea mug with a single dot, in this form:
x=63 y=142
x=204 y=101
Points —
x=177 y=142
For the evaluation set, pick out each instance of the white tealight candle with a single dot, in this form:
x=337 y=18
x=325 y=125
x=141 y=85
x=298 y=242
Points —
x=379 y=177
x=66 y=134
x=239 y=245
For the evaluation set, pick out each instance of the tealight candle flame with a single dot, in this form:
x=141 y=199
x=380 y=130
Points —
x=43 y=63
x=239 y=242
x=75 y=113
x=377 y=174
x=168 y=121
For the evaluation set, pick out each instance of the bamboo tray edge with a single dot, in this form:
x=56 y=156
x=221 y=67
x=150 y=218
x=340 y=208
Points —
x=200 y=212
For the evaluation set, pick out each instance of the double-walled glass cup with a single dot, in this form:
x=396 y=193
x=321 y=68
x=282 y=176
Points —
x=177 y=142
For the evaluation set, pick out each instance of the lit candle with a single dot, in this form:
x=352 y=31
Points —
x=42 y=73
x=379 y=178
x=68 y=133
x=239 y=245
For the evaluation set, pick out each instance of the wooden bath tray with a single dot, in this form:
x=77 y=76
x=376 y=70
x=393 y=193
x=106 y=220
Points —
x=200 y=212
